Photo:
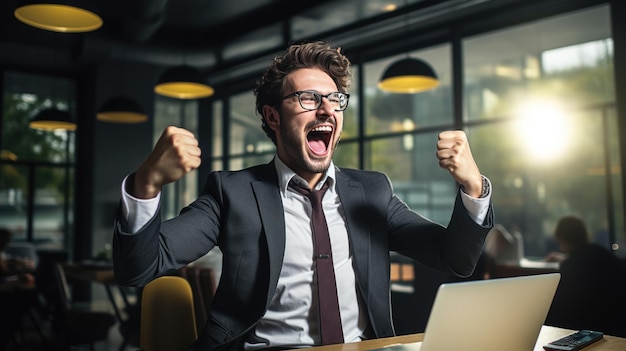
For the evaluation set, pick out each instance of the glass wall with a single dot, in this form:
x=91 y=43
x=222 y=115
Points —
x=248 y=145
x=545 y=93
x=401 y=134
x=217 y=150
x=401 y=113
x=347 y=154
x=36 y=167
x=537 y=103
x=182 y=114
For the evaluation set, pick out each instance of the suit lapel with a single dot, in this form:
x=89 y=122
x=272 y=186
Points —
x=352 y=197
x=271 y=210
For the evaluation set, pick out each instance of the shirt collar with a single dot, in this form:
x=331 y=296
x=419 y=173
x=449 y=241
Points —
x=286 y=175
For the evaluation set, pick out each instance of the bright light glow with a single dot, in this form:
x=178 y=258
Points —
x=544 y=129
x=390 y=7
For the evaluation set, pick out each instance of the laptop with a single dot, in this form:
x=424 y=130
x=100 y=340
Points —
x=487 y=315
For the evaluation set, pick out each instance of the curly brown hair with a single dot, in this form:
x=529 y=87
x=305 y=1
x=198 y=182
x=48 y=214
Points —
x=317 y=54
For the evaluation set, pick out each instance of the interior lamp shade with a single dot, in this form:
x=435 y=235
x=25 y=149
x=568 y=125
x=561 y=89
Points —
x=409 y=76
x=52 y=119
x=58 y=18
x=183 y=82
x=7 y=155
x=121 y=109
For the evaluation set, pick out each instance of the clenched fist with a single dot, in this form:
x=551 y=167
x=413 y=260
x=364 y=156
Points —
x=175 y=154
x=454 y=155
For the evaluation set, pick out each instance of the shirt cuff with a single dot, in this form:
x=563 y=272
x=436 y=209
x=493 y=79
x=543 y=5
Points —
x=138 y=212
x=477 y=208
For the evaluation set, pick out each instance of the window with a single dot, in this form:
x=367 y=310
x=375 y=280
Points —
x=37 y=167
x=401 y=135
x=546 y=80
x=248 y=143
x=565 y=60
x=348 y=148
x=551 y=143
x=183 y=114
x=400 y=113
x=217 y=151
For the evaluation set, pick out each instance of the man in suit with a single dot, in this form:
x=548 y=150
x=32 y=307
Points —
x=266 y=297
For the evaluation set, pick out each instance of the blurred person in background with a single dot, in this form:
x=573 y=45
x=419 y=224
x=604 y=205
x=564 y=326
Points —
x=17 y=289
x=591 y=292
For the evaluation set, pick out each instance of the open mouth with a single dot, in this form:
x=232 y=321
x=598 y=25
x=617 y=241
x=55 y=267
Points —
x=319 y=139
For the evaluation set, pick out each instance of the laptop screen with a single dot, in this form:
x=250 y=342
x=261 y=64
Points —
x=488 y=315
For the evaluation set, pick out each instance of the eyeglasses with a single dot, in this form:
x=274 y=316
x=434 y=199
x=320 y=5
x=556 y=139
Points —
x=312 y=100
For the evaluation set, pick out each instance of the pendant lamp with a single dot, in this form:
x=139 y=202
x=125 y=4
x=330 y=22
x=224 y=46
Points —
x=121 y=109
x=7 y=155
x=183 y=82
x=409 y=76
x=59 y=16
x=52 y=119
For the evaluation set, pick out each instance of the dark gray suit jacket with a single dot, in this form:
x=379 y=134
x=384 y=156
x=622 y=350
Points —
x=242 y=212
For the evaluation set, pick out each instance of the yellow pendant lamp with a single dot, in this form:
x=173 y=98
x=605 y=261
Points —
x=408 y=76
x=52 y=119
x=183 y=82
x=121 y=109
x=59 y=17
x=8 y=155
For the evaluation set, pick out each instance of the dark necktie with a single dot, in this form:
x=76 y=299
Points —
x=330 y=318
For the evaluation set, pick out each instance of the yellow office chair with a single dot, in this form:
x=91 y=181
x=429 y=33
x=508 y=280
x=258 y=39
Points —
x=168 y=320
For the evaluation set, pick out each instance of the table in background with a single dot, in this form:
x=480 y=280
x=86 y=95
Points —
x=102 y=273
x=547 y=334
x=523 y=267
x=97 y=273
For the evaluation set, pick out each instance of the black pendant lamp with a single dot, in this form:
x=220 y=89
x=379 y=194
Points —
x=68 y=16
x=408 y=76
x=183 y=82
x=121 y=109
x=51 y=119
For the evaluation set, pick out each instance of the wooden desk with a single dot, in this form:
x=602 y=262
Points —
x=523 y=267
x=547 y=334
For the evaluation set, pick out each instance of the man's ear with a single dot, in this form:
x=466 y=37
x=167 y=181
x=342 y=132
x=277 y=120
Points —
x=272 y=119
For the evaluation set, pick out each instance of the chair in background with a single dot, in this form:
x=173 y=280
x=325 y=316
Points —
x=71 y=325
x=20 y=300
x=130 y=327
x=168 y=321
x=203 y=285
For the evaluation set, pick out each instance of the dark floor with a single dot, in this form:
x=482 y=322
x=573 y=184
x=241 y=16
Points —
x=31 y=340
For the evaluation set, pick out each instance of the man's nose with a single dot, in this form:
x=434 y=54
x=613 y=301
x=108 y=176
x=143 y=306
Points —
x=327 y=106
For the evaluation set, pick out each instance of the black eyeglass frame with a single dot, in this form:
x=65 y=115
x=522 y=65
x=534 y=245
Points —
x=319 y=101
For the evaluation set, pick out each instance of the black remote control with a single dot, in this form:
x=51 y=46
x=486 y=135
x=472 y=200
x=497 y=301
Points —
x=574 y=341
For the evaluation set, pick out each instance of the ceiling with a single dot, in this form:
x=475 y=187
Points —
x=217 y=35
x=161 y=31
x=202 y=33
